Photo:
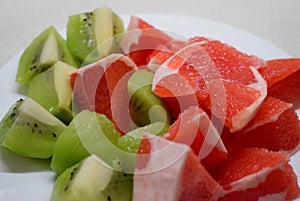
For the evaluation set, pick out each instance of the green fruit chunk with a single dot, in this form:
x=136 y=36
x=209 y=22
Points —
x=88 y=133
x=80 y=36
x=92 y=180
x=30 y=130
x=90 y=35
x=144 y=106
x=46 y=49
x=52 y=90
x=131 y=141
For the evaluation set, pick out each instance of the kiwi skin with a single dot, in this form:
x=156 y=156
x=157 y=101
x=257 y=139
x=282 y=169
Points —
x=29 y=63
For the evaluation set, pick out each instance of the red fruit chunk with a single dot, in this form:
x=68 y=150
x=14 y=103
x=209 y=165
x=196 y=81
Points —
x=192 y=72
x=232 y=64
x=171 y=172
x=275 y=127
x=195 y=129
x=95 y=85
x=141 y=39
x=283 y=78
x=163 y=52
x=256 y=174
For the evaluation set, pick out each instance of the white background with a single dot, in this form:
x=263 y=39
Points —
x=277 y=21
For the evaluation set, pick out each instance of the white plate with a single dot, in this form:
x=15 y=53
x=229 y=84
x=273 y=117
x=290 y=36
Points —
x=29 y=179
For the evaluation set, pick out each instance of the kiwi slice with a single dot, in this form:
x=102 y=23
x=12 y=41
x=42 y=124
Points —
x=131 y=141
x=41 y=54
x=144 y=106
x=52 y=90
x=92 y=180
x=88 y=133
x=30 y=130
x=90 y=35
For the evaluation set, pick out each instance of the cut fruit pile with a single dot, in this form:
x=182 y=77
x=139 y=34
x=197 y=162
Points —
x=140 y=115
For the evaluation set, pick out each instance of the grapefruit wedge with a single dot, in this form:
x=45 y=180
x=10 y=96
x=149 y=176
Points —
x=141 y=39
x=170 y=172
x=94 y=85
x=283 y=78
x=256 y=174
x=195 y=129
x=232 y=93
x=275 y=127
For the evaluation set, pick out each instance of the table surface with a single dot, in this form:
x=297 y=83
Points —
x=277 y=21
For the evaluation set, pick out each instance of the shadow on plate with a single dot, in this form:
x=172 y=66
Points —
x=10 y=162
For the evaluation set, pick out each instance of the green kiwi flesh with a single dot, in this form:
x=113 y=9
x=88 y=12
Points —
x=41 y=54
x=92 y=180
x=118 y=30
x=29 y=130
x=88 y=133
x=131 y=141
x=144 y=106
x=90 y=35
x=52 y=90
x=80 y=36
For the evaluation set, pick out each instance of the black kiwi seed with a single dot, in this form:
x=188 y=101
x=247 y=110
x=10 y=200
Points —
x=66 y=188
x=33 y=67
x=54 y=135
x=114 y=30
x=12 y=115
x=28 y=123
x=108 y=198
x=42 y=68
x=73 y=173
x=35 y=125
x=20 y=100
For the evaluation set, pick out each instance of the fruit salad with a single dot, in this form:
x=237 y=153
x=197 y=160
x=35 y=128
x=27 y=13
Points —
x=136 y=114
